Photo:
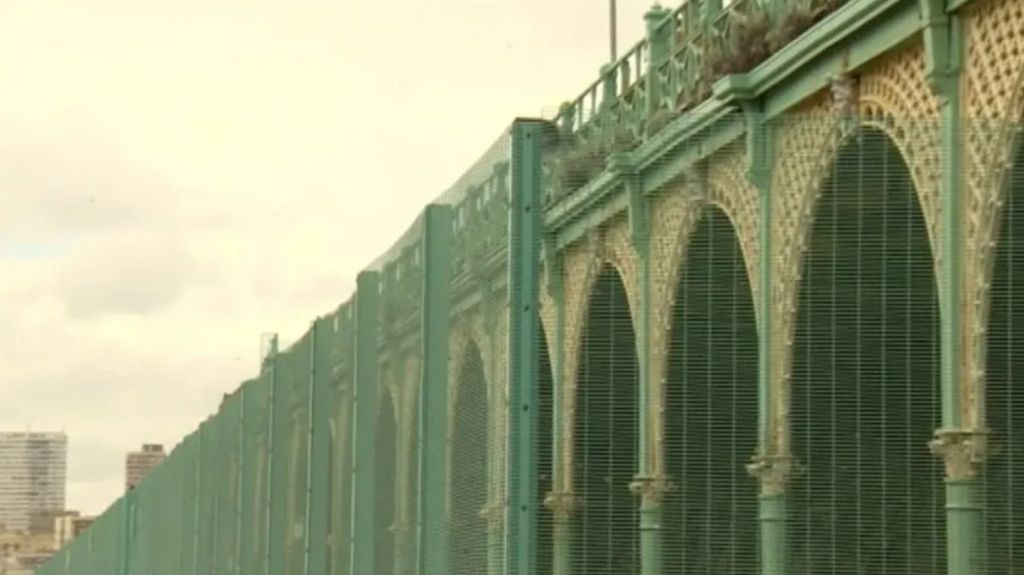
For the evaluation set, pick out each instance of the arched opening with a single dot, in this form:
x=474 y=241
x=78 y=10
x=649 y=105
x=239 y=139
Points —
x=412 y=463
x=711 y=400
x=468 y=534
x=1004 y=477
x=545 y=455
x=340 y=526
x=606 y=525
x=865 y=376
x=384 y=487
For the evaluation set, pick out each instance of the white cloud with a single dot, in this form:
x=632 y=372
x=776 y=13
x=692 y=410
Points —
x=181 y=177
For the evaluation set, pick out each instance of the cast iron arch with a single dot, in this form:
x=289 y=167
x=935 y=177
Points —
x=865 y=375
x=711 y=407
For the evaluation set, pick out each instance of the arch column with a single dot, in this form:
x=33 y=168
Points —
x=650 y=483
x=961 y=443
x=773 y=465
x=555 y=500
x=562 y=504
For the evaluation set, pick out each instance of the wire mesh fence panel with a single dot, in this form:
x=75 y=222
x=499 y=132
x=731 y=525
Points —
x=476 y=500
x=386 y=439
x=252 y=496
x=865 y=384
x=340 y=452
x=229 y=419
x=711 y=405
x=606 y=413
x=1004 y=473
x=189 y=449
x=296 y=370
x=545 y=450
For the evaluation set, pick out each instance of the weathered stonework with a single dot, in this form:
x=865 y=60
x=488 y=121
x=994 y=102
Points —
x=609 y=245
x=893 y=97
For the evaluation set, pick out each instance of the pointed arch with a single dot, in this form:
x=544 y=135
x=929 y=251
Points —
x=605 y=439
x=711 y=405
x=468 y=465
x=865 y=397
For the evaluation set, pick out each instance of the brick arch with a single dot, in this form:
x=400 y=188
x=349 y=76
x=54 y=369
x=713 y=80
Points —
x=466 y=332
x=609 y=245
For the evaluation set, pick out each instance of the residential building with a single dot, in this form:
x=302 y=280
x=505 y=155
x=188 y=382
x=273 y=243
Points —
x=138 y=464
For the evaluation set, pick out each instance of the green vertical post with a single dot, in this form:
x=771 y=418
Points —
x=242 y=482
x=272 y=454
x=247 y=506
x=962 y=433
x=126 y=528
x=204 y=549
x=364 y=426
x=317 y=473
x=431 y=520
x=658 y=39
x=524 y=338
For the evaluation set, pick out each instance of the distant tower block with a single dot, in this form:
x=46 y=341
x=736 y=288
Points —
x=138 y=464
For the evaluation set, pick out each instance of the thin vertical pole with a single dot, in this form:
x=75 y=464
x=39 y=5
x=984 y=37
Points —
x=363 y=494
x=271 y=455
x=613 y=29
x=243 y=482
x=431 y=533
x=523 y=349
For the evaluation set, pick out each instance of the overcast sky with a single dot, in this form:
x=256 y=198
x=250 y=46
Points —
x=179 y=177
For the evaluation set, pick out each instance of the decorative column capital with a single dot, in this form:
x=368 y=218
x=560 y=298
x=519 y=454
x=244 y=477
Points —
x=561 y=503
x=962 y=450
x=773 y=471
x=651 y=488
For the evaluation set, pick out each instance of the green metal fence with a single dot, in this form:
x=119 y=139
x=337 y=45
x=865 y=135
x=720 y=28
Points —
x=662 y=333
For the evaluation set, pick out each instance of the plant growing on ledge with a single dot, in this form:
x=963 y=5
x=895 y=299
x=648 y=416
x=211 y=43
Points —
x=580 y=161
x=758 y=33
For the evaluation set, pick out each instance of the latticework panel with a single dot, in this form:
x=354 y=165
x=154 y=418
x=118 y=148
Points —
x=605 y=421
x=468 y=492
x=865 y=376
x=1004 y=408
x=711 y=408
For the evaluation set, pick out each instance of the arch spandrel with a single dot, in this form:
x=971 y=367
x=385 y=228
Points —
x=892 y=96
x=612 y=246
x=994 y=96
x=675 y=215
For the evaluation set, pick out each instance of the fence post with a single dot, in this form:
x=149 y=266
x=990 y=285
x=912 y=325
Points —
x=272 y=452
x=365 y=424
x=318 y=456
x=524 y=339
x=658 y=39
x=432 y=520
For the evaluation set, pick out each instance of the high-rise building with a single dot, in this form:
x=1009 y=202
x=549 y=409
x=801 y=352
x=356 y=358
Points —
x=33 y=477
x=138 y=464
